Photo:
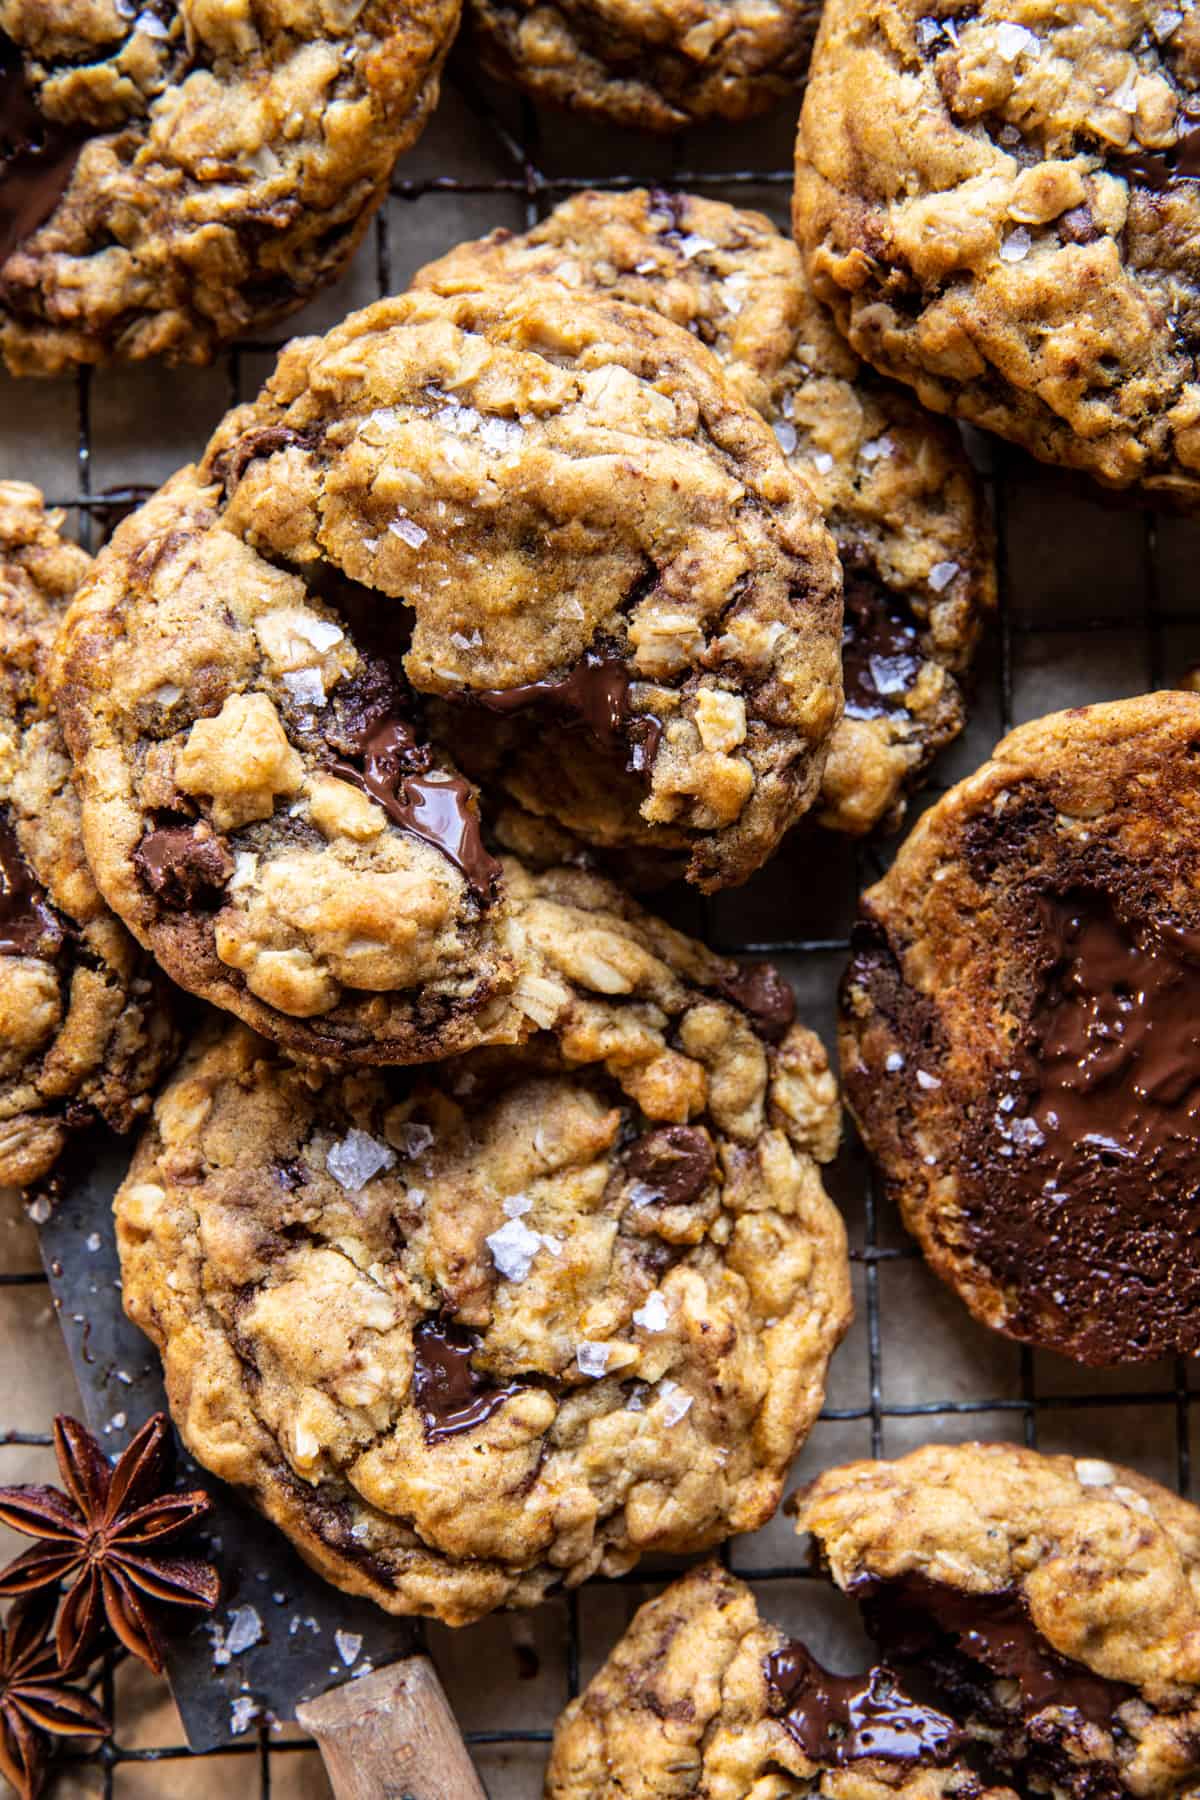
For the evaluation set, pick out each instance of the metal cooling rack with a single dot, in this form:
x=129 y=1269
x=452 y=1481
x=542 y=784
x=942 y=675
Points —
x=1148 y=638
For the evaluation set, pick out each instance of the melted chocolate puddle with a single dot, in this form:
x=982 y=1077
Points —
x=28 y=927
x=451 y=1397
x=1096 y=1148
x=596 y=695
x=440 y=810
x=839 y=1719
x=37 y=157
x=881 y=653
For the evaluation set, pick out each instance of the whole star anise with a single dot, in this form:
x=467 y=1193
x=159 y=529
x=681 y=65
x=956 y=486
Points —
x=34 y=1702
x=104 y=1537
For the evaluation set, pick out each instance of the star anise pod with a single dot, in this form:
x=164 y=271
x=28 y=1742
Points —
x=104 y=1537
x=34 y=1701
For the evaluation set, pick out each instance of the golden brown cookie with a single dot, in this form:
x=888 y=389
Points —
x=1036 y=1628
x=472 y=1331
x=661 y=68
x=173 y=175
x=84 y=1029
x=1001 y=207
x=1021 y=1032
x=894 y=485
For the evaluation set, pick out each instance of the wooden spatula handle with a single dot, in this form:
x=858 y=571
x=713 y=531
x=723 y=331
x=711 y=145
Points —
x=391 y=1736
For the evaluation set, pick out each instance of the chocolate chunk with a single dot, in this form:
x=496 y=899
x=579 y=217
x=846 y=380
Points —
x=438 y=809
x=1084 y=1197
x=1162 y=169
x=671 y=1165
x=760 y=990
x=184 y=865
x=839 y=1719
x=1078 y=226
x=596 y=694
x=881 y=653
x=450 y=1395
x=37 y=157
x=28 y=926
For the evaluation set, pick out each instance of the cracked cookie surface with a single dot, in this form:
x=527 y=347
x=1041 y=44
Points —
x=660 y=68
x=894 y=484
x=84 y=1029
x=485 y=501
x=176 y=173
x=1019 y=1036
x=470 y=1332
x=1001 y=205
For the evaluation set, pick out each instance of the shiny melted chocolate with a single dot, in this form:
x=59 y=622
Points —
x=438 y=809
x=1088 y=1202
x=881 y=653
x=28 y=927
x=451 y=1396
x=37 y=157
x=596 y=695
x=839 y=1719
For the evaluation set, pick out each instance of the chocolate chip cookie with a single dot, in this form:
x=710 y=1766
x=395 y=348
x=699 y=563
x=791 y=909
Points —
x=1035 y=1620
x=1020 y=1036
x=83 y=1026
x=684 y=62
x=470 y=1332
x=172 y=175
x=1001 y=206
x=894 y=485
x=503 y=502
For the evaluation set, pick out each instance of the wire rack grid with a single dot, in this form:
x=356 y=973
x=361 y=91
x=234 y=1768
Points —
x=1094 y=602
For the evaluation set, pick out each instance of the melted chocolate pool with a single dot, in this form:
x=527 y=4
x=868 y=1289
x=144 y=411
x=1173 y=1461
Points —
x=451 y=1397
x=839 y=1719
x=28 y=927
x=881 y=654
x=37 y=157
x=596 y=695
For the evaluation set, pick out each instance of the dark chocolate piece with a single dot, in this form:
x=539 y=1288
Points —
x=839 y=1719
x=760 y=990
x=37 y=157
x=671 y=1165
x=881 y=653
x=1085 y=1194
x=1162 y=169
x=596 y=693
x=28 y=926
x=450 y=1395
x=438 y=809
x=183 y=865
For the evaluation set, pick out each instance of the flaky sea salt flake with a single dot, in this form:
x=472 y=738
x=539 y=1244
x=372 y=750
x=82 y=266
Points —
x=1016 y=246
x=593 y=1358
x=413 y=535
x=653 y=1315
x=513 y=1249
x=242 y=1713
x=245 y=1630
x=941 y=575
x=1013 y=40
x=357 y=1158
x=305 y=686
x=349 y=1646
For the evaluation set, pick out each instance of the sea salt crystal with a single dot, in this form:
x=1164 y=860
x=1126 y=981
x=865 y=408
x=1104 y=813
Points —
x=415 y=1138
x=1016 y=246
x=890 y=674
x=305 y=686
x=245 y=1630
x=413 y=534
x=151 y=25
x=571 y=609
x=692 y=244
x=1165 y=23
x=552 y=1244
x=786 y=435
x=928 y=33
x=941 y=575
x=357 y=1158
x=242 y=1713
x=822 y=461
x=593 y=1358
x=461 y=642
x=167 y=694
x=653 y=1315
x=349 y=1644
x=874 y=448
x=93 y=1242
x=1013 y=40
x=501 y=434
x=675 y=1403
x=39 y=1209
x=513 y=1249
x=517 y=1205
x=322 y=634
x=927 y=1081
x=1026 y=1132
x=893 y=1062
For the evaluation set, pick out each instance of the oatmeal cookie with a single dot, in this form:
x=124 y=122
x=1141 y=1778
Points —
x=1021 y=1032
x=704 y=1699
x=661 y=68
x=83 y=1026
x=1037 y=1631
x=1001 y=206
x=494 y=500
x=476 y=1330
x=174 y=174
x=894 y=485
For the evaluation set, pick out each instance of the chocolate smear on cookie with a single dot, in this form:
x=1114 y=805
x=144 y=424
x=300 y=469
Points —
x=839 y=1719
x=183 y=865
x=670 y=1166
x=27 y=925
x=438 y=809
x=37 y=157
x=596 y=694
x=450 y=1395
